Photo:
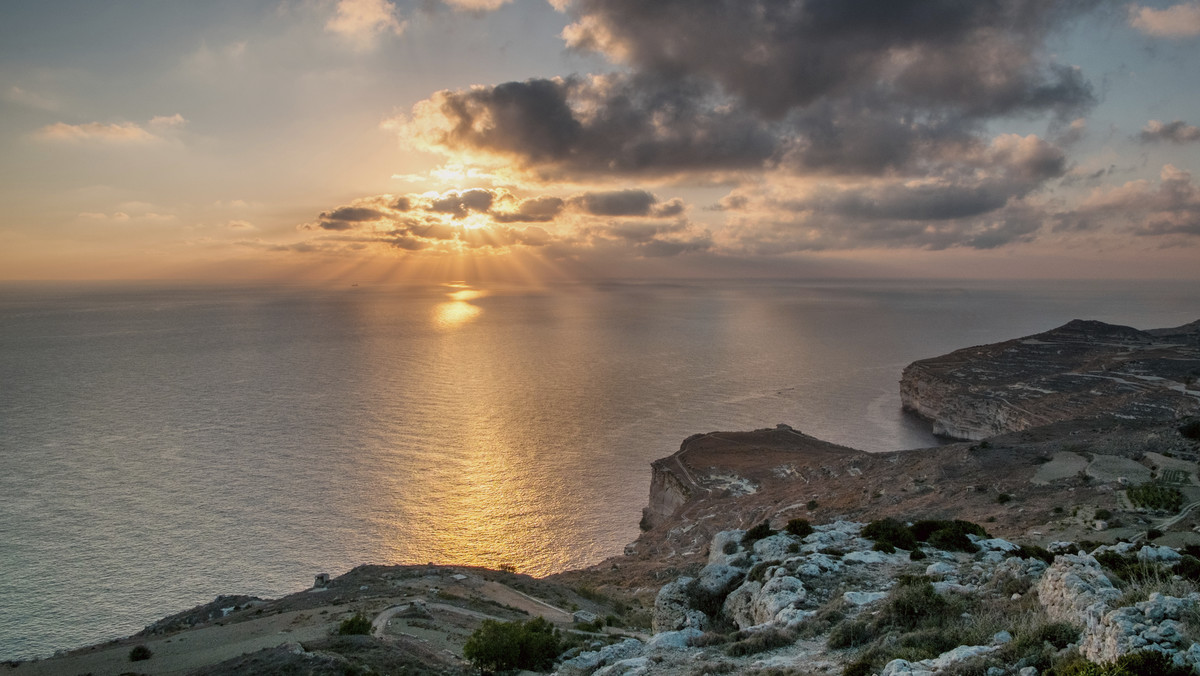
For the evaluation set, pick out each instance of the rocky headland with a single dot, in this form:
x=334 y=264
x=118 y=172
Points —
x=1058 y=538
x=1081 y=370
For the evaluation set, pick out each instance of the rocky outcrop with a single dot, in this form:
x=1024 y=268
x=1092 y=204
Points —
x=1080 y=370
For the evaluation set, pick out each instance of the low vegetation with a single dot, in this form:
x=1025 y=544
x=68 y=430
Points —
x=950 y=535
x=357 y=624
x=1154 y=495
x=505 y=646
x=139 y=653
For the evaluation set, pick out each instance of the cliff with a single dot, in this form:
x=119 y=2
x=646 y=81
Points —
x=1083 y=369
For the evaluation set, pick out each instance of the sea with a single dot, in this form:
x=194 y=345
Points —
x=161 y=445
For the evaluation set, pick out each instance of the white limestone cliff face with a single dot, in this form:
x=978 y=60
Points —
x=974 y=414
x=667 y=494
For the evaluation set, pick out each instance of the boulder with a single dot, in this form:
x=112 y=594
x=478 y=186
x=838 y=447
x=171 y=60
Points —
x=775 y=595
x=739 y=605
x=674 y=607
x=722 y=541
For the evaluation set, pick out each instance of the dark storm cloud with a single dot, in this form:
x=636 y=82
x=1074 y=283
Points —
x=596 y=125
x=534 y=210
x=354 y=214
x=458 y=204
x=1177 y=132
x=984 y=57
x=851 y=87
x=617 y=203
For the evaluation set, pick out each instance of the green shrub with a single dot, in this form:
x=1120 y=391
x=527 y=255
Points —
x=1153 y=534
x=801 y=528
x=1190 y=429
x=503 y=646
x=1103 y=514
x=811 y=505
x=1153 y=495
x=948 y=535
x=1004 y=498
x=730 y=548
x=757 y=533
x=916 y=554
x=849 y=634
x=911 y=604
x=889 y=535
x=760 y=641
x=1188 y=568
x=1142 y=663
x=358 y=624
x=139 y=653
x=1034 y=552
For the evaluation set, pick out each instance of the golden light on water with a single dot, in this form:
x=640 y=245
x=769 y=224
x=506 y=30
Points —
x=457 y=311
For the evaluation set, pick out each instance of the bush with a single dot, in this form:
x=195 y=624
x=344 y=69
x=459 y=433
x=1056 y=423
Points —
x=1143 y=663
x=760 y=641
x=1188 y=568
x=1190 y=429
x=1035 y=552
x=801 y=528
x=949 y=535
x=889 y=535
x=757 y=533
x=916 y=554
x=1004 y=498
x=811 y=505
x=139 y=653
x=504 y=646
x=358 y=624
x=1152 y=495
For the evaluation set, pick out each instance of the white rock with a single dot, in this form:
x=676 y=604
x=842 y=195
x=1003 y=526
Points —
x=673 y=640
x=1152 y=553
x=777 y=594
x=940 y=568
x=672 y=606
x=1001 y=637
x=739 y=605
x=634 y=666
x=776 y=547
x=716 y=549
x=996 y=545
x=871 y=557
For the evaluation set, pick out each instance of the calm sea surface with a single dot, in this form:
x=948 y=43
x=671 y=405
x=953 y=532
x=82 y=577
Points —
x=163 y=446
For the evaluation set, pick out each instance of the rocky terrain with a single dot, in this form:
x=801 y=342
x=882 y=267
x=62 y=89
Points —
x=1066 y=541
x=1083 y=369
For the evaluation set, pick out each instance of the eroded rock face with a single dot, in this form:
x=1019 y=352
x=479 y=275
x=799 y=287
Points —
x=1075 y=589
x=674 y=607
x=1079 y=370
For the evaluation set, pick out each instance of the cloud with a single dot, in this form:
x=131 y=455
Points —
x=590 y=125
x=1177 y=132
x=168 y=121
x=817 y=87
x=362 y=22
x=1170 y=208
x=477 y=5
x=15 y=94
x=617 y=203
x=1176 y=21
x=116 y=133
x=578 y=224
x=983 y=58
x=533 y=210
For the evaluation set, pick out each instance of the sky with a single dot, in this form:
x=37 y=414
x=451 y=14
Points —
x=348 y=141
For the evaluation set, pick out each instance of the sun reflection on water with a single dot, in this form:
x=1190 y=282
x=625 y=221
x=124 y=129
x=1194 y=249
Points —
x=455 y=313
